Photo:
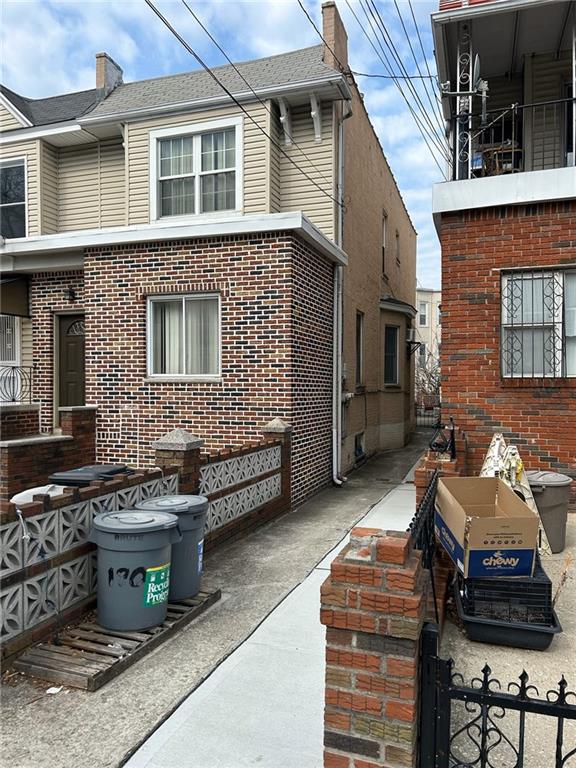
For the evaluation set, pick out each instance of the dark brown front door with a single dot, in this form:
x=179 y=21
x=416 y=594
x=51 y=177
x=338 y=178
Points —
x=71 y=360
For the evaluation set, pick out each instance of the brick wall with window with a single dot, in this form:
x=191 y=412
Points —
x=508 y=329
x=217 y=336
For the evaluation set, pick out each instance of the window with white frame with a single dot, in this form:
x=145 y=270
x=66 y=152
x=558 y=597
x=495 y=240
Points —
x=538 y=329
x=198 y=169
x=422 y=313
x=13 y=198
x=184 y=336
x=10 y=374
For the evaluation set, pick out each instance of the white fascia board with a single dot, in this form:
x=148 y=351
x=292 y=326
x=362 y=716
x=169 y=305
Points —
x=487 y=9
x=165 y=230
x=40 y=132
x=37 y=262
x=513 y=189
x=214 y=101
x=5 y=101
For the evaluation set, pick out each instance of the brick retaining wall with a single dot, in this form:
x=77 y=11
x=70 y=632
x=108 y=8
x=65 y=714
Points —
x=19 y=420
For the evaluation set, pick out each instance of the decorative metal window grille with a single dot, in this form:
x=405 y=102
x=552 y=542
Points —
x=538 y=336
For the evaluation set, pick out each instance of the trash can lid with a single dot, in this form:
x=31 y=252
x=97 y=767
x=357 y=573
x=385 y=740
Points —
x=134 y=521
x=546 y=478
x=177 y=505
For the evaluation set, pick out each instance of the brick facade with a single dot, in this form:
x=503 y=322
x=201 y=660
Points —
x=532 y=413
x=18 y=421
x=276 y=300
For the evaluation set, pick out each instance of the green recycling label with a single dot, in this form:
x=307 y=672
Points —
x=156 y=585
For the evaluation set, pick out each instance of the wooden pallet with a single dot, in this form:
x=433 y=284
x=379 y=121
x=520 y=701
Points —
x=88 y=656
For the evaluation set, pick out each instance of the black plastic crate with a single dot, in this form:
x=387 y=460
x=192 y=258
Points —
x=521 y=599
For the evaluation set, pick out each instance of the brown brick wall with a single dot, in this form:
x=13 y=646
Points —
x=276 y=298
x=20 y=422
x=532 y=413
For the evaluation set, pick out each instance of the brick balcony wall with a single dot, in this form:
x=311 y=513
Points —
x=531 y=413
x=18 y=420
x=277 y=329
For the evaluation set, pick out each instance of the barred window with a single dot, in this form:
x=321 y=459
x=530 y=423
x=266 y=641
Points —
x=539 y=324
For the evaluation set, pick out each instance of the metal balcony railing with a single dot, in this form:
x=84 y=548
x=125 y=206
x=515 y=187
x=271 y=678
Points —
x=16 y=384
x=529 y=137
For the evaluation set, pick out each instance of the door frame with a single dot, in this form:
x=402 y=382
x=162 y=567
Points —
x=56 y=359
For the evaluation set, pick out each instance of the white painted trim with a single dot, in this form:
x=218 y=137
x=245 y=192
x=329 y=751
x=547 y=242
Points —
x=305 y=86
x=16 y=361
x=195 y=129
x=5 y=101
x=11 y=161
x=512 y=189
x=316 y=115
x=172 y=377
x=488 y=9
x=61 y=242
x=41 y=132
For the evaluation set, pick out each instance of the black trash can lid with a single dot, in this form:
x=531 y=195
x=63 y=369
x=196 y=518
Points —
x=88 y=473
x=177 y=505
x=134 y=521
x=546 y=478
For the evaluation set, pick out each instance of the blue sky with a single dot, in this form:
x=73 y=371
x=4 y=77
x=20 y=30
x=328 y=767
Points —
x=48 y=47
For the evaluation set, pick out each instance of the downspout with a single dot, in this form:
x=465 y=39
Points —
x=337 y=479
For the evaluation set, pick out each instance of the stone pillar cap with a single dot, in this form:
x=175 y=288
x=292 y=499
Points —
x=178 y=440
x=276 y=426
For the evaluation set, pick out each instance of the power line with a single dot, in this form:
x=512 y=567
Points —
x=394 y=76
x=438 y=99
x=388 y=69
x=241 y=76
x=193 y=53
x=343 y=69
x=373 y=9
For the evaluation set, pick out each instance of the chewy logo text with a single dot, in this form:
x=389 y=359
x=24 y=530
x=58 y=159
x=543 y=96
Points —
x=497 y=560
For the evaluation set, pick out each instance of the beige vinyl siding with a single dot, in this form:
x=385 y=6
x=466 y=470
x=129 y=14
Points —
x=30 y=150
x=138 y=141
x=48 y=189
x=549 y=77
x=274 y=153
x=26 y=355
x=7 y=120
x=91 y=184
x=298 y=193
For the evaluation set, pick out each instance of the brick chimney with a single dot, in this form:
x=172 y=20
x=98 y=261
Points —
x=335 y=36
x=108 y=75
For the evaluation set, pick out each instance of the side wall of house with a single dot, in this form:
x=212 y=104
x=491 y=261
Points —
x=370 y=191
x=7 y=120
x=533 y=413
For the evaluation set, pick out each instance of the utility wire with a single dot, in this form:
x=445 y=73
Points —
x=343 y=69
x=193 y=53
x=376 y=16
x=434 y=107
x=393 y=76
x=388 y=69
x=241 y=76
x=438 y=99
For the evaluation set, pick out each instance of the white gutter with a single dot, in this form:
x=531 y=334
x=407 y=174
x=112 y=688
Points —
x=208 y=226
x=41 y=132
x=304 y=86
x=486 y=9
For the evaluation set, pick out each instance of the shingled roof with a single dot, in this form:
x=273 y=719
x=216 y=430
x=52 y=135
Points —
x=300 y=66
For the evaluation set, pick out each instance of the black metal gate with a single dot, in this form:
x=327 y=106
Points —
x=487 y=735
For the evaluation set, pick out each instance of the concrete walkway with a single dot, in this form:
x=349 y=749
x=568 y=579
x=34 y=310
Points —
x=254 y=662
x=264 y=704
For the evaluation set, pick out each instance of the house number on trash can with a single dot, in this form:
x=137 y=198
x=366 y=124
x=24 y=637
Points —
x=156 y=585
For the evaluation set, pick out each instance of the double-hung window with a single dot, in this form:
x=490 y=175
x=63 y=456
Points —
x=196 y=169
x=538 y=329
x=13 y=198
x=184 y=336
x=391 y=361
x=423 y=313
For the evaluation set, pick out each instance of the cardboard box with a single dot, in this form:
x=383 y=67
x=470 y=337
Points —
x=486 y=529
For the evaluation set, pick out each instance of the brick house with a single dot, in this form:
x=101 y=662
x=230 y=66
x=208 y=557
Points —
x=507 y=226
x=178 y=261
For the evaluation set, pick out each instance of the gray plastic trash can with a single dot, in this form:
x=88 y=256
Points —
x=186 y=571
x=552 y=494
x=134 y=555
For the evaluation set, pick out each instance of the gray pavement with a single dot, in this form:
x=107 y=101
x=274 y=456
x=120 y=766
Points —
x=256 y=682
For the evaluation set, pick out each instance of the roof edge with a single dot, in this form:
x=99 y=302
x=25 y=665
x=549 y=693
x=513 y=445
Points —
x=14 y=111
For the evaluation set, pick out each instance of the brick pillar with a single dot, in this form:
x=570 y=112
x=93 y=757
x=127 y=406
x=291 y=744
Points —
x=181 y=449
x=80 y=422
x=373 y=605
x=279 y=428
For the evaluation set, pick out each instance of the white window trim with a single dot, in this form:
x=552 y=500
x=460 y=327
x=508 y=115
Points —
x=17 y=345
x=425 y=324
x=191 y=129
x=6 y=162
x=215 y=377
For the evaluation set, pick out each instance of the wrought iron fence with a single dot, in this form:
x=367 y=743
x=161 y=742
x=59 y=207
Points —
x=16 y=384
x=488 y=737
x=421 y=530
x=529 y=137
